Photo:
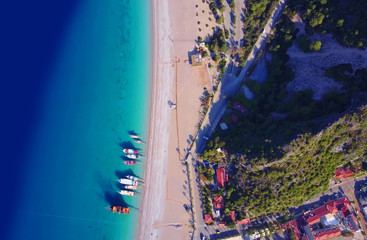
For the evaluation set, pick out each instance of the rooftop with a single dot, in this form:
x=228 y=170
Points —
x=343 y=173
x=208 y=218
x=196 y=59
x=218 y=202
x=221 y=177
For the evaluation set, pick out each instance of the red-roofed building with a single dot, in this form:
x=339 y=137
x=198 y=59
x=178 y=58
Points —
x=208 y=219
x=315 y=215
x=218 y=202
x=331 y=206
x=222 y=177
x=324 y=222
x=343 y=173
x=232 y=214
x=221 y=224
x=244 y=221
x=328 y=234
x=293 y=225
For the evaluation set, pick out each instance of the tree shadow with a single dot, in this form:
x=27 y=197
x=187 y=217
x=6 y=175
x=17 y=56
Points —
x=231 y=14
x=191 y=137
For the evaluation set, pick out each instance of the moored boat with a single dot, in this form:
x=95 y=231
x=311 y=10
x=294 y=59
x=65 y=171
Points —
x=130 y=183
x=133 y=156
x=129 y=162
x=138 y=141
x=119 y=209
x=130 y=151
x=133 y=178
x=134 y=136
x=126 y=193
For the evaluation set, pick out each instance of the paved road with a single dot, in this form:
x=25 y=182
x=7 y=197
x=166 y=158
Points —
x=228 y=87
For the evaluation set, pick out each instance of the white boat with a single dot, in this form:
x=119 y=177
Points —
x=129 y=183
x=133 y=156
x=133 y=178
x=126 y=193
x=134 y=136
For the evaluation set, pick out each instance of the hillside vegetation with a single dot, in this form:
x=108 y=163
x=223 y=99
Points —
x=304 y=170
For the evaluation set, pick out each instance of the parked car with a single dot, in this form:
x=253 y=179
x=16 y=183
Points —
x=205 y=138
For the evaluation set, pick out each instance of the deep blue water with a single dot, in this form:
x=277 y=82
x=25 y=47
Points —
x=76 y=89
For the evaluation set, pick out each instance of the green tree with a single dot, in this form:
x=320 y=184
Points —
x=340 y=23
x=216 y=58
x=220 y=20
x=316 y=19
x=303 y=43
x=315 y=46
x=226 y=33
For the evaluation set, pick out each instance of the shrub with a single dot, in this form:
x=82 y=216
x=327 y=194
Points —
x=231 y=224
x=315 y=46
x=222 y=65
x=226 y=33
x=213 y=8
x=316 y=19
x=220 y=20
x=216 y=58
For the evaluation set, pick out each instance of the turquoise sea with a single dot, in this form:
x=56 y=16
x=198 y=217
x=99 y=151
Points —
x=98 y=90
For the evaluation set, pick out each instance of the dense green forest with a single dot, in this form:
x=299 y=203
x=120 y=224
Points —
x=345 y=19
x=256 y=15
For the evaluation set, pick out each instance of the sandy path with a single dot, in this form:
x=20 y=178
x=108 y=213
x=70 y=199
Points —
x=309 y=68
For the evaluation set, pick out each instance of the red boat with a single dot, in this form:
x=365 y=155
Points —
x=130 y=151
x=129 y=162
x=119 y=209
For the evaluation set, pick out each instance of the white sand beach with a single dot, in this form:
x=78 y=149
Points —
x=163 y=215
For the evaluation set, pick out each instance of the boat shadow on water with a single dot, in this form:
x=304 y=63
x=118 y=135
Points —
x=108 y=192
x=128 y=145
x=131 y=132
x=122 y=174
